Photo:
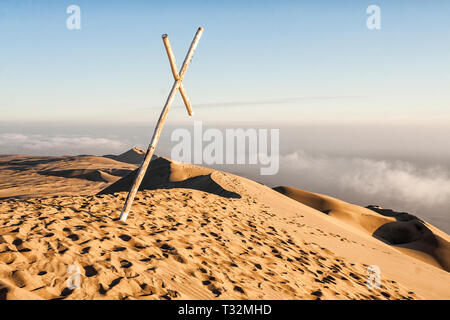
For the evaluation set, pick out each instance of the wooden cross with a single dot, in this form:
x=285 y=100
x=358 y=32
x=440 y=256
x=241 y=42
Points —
x=178 y=85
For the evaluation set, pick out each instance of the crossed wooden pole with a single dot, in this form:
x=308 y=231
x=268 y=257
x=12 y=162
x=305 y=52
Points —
x=177 y=85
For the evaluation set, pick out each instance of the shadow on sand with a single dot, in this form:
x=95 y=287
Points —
x=158 y=177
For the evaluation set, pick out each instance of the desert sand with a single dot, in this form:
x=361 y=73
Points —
x=25 y=176
x=132 y=156
x=406 y=232
x=198 y=233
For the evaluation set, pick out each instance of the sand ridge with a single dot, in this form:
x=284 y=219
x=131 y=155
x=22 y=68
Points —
x=406 y=232
x=132 y=156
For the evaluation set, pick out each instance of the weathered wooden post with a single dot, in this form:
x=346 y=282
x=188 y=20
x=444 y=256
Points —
x=177 y=85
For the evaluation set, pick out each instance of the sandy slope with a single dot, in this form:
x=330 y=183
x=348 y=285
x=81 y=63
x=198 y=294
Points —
x=406 y=232
x=26 y=176
x=198 y=243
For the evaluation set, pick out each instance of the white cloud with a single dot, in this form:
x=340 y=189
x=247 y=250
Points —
x=393 y=184
x=57 y=144
x=372 y=177
x=6 y=138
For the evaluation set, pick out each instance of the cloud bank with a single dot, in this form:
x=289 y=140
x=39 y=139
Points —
x=392 y=184
x=37 y=144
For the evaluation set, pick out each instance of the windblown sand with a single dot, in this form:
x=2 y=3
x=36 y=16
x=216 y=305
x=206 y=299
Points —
x=191 y=237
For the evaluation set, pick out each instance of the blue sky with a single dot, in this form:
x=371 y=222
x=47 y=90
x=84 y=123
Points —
x=278 y=61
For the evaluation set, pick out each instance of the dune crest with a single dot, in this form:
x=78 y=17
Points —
x=399 y=229
x=132 y=156
x=164 y=174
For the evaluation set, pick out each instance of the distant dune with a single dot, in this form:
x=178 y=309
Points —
x=133 y=156
x=27 y=176
x=105 y=175
x=198 y=233
x=400 y=229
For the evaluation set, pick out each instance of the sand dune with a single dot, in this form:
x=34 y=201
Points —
x=164 y=174
x=132 y=156
x=108 y=175
x=187 y=238
x=399 y=229
x=410 y=232
x=26 y=176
